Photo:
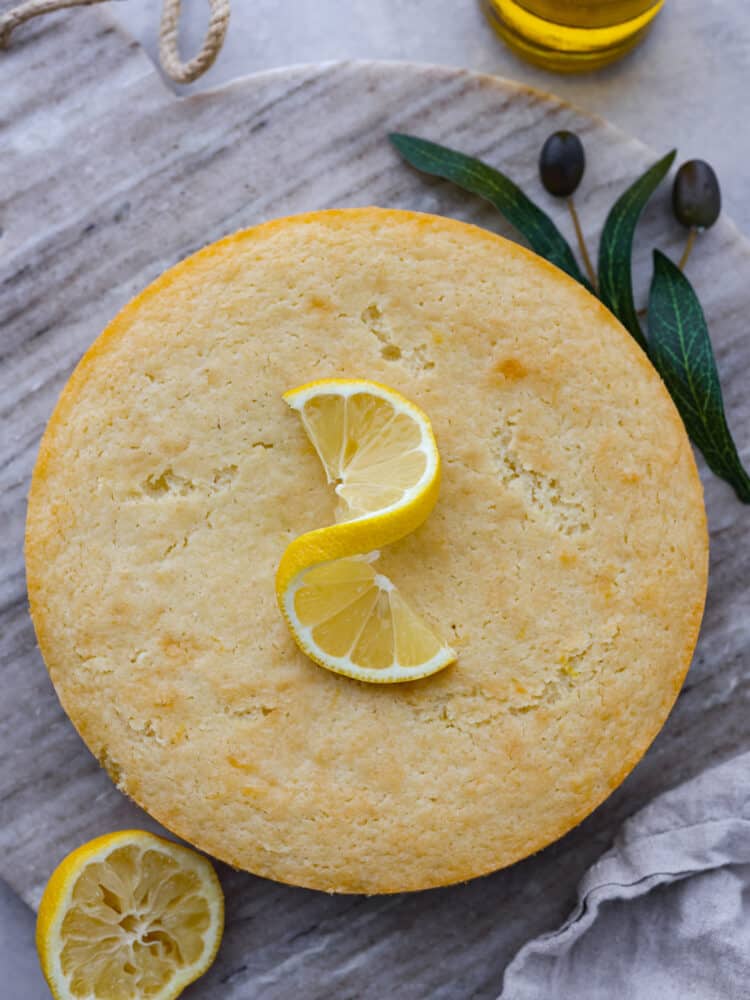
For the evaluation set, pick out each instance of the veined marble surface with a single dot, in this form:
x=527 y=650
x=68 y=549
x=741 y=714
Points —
x=685 y=85
x=106 y=180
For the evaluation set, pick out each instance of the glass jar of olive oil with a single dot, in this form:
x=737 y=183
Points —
x=572 y=35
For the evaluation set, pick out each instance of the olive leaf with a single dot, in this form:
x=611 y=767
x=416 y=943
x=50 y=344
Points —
x=616 y=247
x=680 y=349
x=478 y=178
x=679 y=344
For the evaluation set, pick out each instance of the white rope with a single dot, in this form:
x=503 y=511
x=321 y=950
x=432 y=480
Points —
x=33 y=8
x=169 y=52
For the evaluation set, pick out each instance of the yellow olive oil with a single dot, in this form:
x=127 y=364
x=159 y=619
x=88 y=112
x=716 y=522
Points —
x=572 y=35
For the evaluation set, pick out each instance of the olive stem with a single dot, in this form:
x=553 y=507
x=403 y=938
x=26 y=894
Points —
x=689 y=244
x=581 y=242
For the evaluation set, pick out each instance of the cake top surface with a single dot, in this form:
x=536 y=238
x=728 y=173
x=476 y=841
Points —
x=567 y=552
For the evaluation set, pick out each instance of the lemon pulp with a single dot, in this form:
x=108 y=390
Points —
x=129 y=915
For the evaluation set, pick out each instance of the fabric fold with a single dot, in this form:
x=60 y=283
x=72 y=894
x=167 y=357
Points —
x=664 y=914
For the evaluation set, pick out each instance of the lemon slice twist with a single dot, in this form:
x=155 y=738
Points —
x=379 y=451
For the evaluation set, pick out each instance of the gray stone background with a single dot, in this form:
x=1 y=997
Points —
x=685 y=86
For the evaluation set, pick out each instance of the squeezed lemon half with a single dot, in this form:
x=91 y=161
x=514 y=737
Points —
x=129 y=915
x=378 y=450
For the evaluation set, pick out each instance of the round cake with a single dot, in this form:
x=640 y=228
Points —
x=565 y=561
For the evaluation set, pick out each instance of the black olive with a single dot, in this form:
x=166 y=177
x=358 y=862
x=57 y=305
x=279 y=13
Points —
x=696 y=196
x=561 y=163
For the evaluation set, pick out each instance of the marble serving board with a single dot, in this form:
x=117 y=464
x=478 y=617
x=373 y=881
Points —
x=105 y=180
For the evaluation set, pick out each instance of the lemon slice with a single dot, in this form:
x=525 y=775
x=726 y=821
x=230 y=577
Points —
x=376 y=446
x=379 y=451
x=129 y=915
x=352 y=620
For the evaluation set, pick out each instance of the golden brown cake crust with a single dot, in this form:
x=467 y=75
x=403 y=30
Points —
x=566 y=560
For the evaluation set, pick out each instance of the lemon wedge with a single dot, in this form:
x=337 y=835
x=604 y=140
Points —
x=129 y=915
x=379 y=451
